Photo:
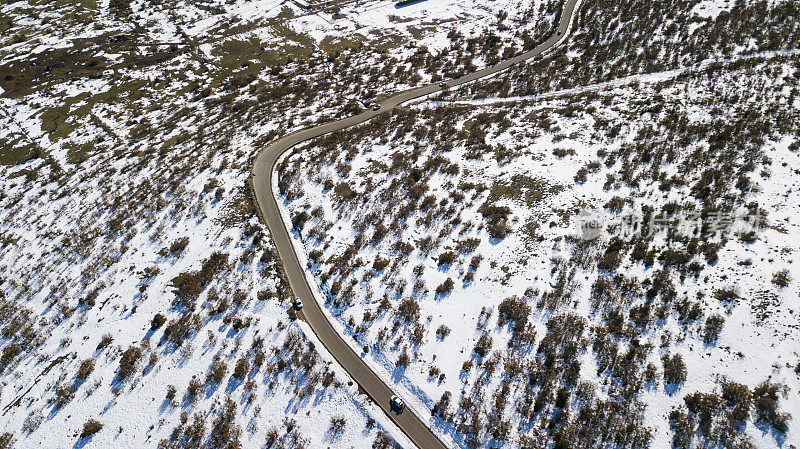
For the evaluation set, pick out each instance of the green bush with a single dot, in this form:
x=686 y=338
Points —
x=513 y=309
x=189 y=285
x=181 y=328
x=343 y=191
x=562 y=398
x=409 y=310
x=6 y=440
x=217 y=371
x=225 y=433
x=682 y=427
x=674 y=369
x=158 y=321
x=9 y=352
x=765 y=404
x=64 y=394
x=90 y=428
x=241 y=369
x=128 y=361
x=739 y=399
x=178 y=246
x=86 y=368
x=446 y=258
x=338 y=424
x=193 y=389
x=105 y=340
x=445 y=287
x=483 y=345
x=713 y=328
x=782 y=278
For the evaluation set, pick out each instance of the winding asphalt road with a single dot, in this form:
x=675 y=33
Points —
x=262 y=174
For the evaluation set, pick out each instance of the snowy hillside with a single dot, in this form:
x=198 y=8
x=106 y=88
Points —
x=595 y=249
x=448 y=240
x=142 y=303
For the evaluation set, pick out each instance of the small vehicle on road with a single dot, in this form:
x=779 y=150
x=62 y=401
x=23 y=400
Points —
x=377 y=107
x=298 y=304
x=397 y=405
x=443 y=84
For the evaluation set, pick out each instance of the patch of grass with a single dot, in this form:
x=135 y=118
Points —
x=387 y=41
x=60 y=121
x=86 y=4
x=54 y=122
x=68 y=11
x=174 y=141
x=13 y=150
x=528 y=191
x=334 y=45
x=24 y=76
x=419 y=32
x=235 y=53
x=240 y=56
x=6 y=23
x=523 y=188
x=238 y=209
x=78 y=153
x=299 y=45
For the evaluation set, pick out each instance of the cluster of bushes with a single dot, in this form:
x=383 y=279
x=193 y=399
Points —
x=7 y=440
x=408 y=310
x=181 y=328
x=17 y=327
x=718 y=419
x=513 y=309
x=497 y=217
x=241 y=369
x=189 y=285
x=627 y=307
x=337 y=425
x=567 y=411
x=90 y=428
x=622 y=38
x=85 y=369
x=186 y=435
x=176 y=248
x=128 y=362
x=63 y=395
x=217 y=371
x=445 y=287
x=674 y=369
x=225 y=433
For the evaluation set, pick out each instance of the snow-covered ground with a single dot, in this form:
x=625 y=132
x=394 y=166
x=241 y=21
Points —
x=133 y=176
x=128 y=277
x=114 y=154
x=548 y=143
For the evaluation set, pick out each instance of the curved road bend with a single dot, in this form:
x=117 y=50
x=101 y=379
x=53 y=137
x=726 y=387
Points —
x=262 y=172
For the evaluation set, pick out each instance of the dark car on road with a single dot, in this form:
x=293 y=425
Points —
x=397 y=405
